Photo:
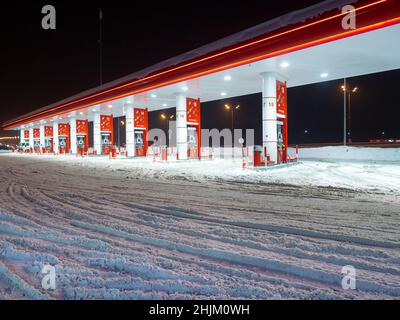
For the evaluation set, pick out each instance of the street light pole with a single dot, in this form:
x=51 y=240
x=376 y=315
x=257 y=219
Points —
x=101 y=45
x=345 y=111
x=348 y=91
x=233 y=133
x=350 y=140
x=232 y=109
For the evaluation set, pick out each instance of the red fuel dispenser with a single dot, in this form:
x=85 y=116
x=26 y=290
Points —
x=282 y=113
x=82 y=133
x=141 y=117
x=36 y=141
x=107 y=134
x=24 y=146
x=194 y=128
x=63 y=138
x=48 y=145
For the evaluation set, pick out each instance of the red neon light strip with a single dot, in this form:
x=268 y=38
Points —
x=280 y=52
x=247 y=61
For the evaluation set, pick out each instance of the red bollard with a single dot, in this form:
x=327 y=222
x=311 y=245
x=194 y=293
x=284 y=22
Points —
x=164 y=154
x=258 y=157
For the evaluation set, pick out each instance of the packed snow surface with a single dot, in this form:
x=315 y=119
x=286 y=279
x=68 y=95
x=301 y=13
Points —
x=134 y=229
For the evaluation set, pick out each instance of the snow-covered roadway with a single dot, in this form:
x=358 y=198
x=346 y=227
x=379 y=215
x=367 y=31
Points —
x=115 y=232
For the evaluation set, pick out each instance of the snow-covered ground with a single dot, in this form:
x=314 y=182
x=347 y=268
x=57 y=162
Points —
x=134 y=229
x=369 y=169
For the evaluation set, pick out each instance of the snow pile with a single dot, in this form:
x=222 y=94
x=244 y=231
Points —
x=352 y=154
x=368 y=169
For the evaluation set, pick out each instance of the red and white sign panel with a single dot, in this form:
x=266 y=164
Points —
x=48 y=132
x=63 y=130
x=281 y=95
x=82 y=127
x=26 y=134
x=36 y=133
x=141 y=119
x=193 y=111
x=106 y=123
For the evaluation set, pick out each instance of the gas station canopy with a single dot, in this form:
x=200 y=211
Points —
x=303 y=47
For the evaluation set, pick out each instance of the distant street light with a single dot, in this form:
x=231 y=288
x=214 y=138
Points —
x=347 y=94
x=165 y=117
x=232 y=109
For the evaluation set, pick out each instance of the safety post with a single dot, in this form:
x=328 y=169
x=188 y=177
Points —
x=244 y=164
x=164 y=153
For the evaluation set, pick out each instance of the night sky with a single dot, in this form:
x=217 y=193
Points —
x=40 y=67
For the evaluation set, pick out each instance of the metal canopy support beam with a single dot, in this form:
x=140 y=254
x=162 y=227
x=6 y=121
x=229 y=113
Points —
x=181 y=127
x=56 y=142
x=74 y=147
x=130 y=130
x=270 y=119
x=97 y=133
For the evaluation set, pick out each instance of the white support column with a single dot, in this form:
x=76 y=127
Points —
x=22 y=136
x=97 y=132
x=270 y=120
x=130 y=130
x=74 y=147
x=42 y=137
x=56 y=141
x=31 y=142
x=181 y=127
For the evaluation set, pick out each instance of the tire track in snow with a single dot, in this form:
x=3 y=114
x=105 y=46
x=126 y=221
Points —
x=254 y=255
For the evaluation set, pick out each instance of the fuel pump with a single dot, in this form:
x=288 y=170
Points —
x=48 y=140
x=82 y=131
x=36 y=146
x=81 y=144
x=48 y=145
x=106 y=143
x=63 y=145
x=36 y=141
x=24 y=145
x=281 y=143
x=139 y=143
x=106 y=134
x=141 y=127
x=194 y=128
x=63 y=138
x=282 y=127
x=192 y=143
